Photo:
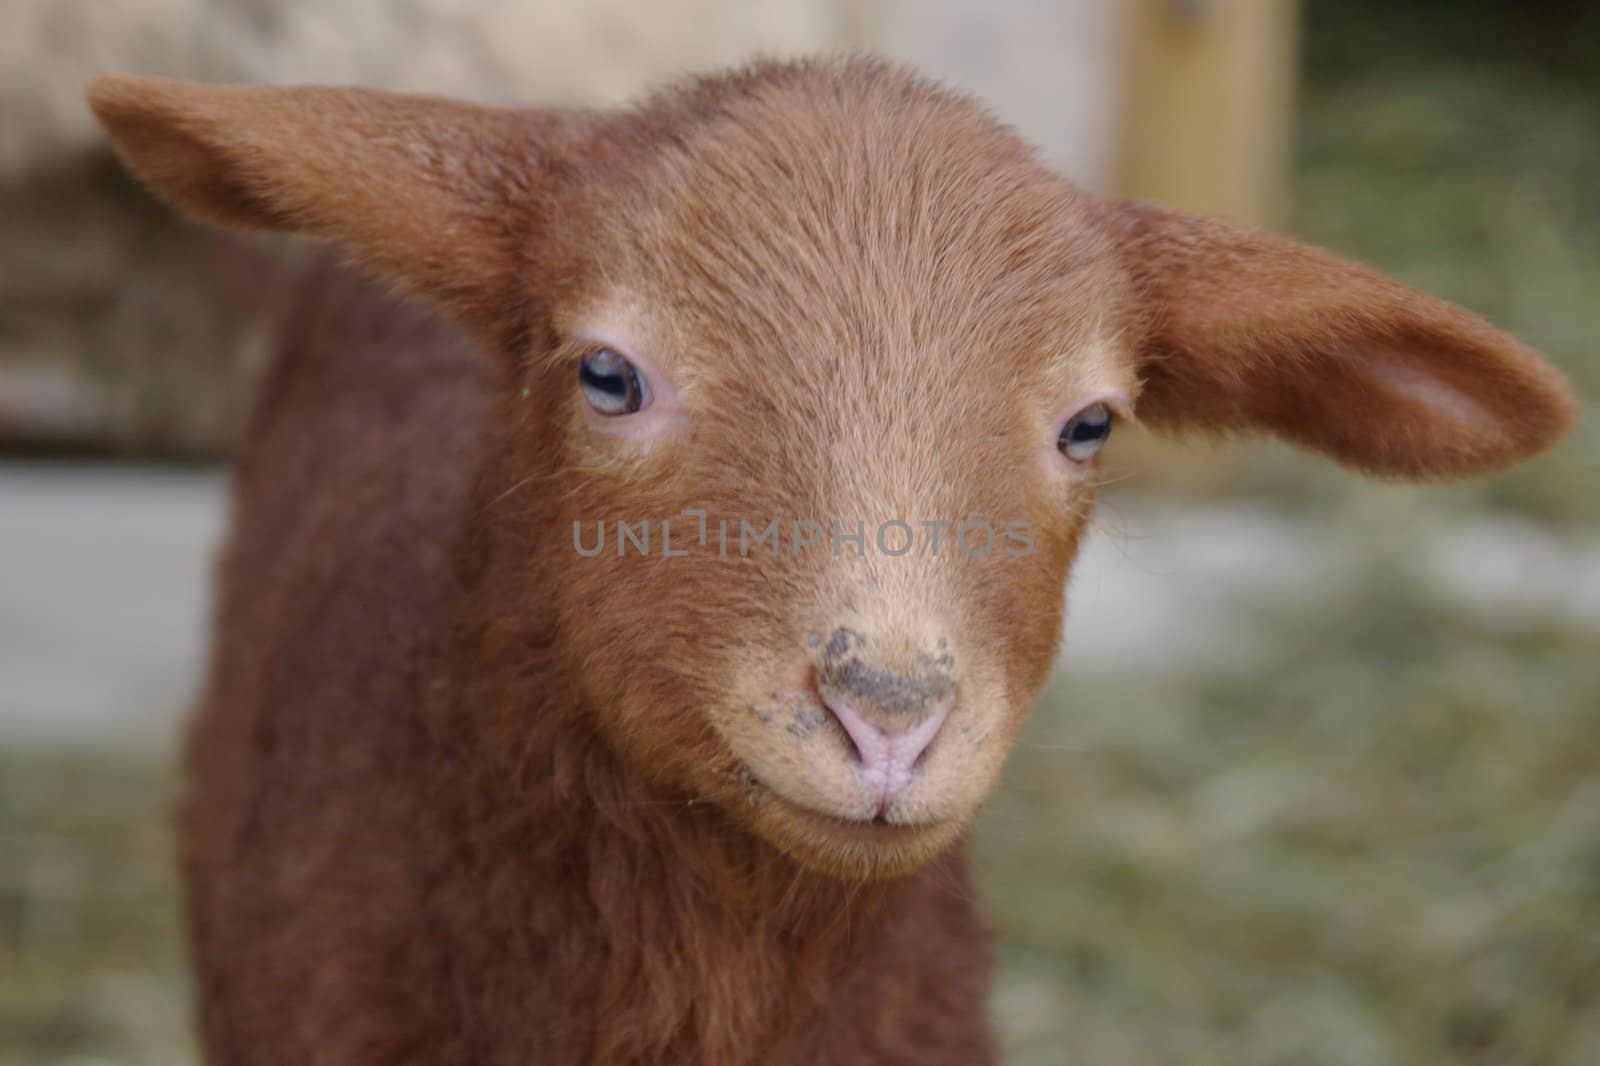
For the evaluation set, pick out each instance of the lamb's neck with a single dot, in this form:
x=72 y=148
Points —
x=676 y=934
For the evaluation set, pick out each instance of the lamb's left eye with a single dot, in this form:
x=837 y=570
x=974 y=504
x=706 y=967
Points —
x=610 y=384
x=1085 y=433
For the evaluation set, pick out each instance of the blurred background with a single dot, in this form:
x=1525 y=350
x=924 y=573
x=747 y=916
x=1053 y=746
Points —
x=1319 y=778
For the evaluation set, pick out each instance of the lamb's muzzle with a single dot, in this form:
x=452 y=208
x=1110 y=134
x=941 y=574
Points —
x=890 y=715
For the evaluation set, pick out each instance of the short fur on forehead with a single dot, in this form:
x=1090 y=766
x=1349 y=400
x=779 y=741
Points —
x=827 y=212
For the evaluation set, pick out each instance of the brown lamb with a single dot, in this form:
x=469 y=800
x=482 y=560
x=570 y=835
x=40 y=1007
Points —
x=463 y=789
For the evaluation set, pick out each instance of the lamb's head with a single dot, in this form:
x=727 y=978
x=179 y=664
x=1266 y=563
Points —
x=820 y=359
x=829 y=345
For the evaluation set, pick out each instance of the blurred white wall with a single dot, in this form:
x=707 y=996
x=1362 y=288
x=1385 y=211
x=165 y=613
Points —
x=1046 y=66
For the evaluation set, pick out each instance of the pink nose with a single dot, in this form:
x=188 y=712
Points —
x=890 y=701
x=888 y=759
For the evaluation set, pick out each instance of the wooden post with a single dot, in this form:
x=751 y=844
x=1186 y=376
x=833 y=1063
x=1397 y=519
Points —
x=1207 y=101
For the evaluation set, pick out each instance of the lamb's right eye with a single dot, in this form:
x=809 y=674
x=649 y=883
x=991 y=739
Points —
x=610 y=384
x=1085 y=433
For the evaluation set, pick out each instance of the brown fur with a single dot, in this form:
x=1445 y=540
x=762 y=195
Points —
x=460 y=794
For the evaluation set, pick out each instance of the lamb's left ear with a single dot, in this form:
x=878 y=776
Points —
x=1245 y=330
x=431 y=194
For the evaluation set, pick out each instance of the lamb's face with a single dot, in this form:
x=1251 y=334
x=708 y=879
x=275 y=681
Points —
x=832 y=377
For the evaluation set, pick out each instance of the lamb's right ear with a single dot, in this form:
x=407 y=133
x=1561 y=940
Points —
x=419 y=189
x=1244 y=330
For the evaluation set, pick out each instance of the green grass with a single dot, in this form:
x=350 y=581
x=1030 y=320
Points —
x=1383 y=849
x=91 y=961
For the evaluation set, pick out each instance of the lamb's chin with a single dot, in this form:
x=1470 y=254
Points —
x=849 y=849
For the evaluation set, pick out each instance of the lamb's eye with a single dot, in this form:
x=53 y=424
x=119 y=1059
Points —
x=1085 y=432
x=610 y=384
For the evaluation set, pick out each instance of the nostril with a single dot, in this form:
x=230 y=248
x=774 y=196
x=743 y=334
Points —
x=914 y=744
x=921 y=754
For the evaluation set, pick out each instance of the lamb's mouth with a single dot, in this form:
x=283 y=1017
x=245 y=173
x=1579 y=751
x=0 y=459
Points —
x=875 y=826
x=850 y=849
